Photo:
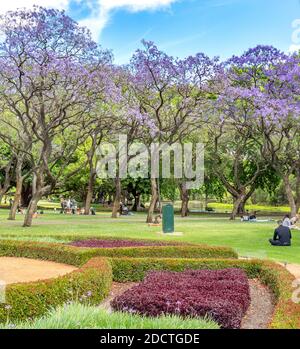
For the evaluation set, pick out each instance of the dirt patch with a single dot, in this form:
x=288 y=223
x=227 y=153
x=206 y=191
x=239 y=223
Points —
x=15 y=269
x=261 y=308
x=116 y=290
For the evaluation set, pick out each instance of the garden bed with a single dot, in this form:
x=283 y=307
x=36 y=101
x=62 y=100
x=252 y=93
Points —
x=88 y=284
x=131 y=264
x=107 y=243
x=77 y=256
x=222 y=295
x=276 y=278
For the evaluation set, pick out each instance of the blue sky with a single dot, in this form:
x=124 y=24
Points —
x=184 y=27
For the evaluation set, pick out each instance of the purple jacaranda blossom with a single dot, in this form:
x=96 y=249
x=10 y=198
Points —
x=171 y=91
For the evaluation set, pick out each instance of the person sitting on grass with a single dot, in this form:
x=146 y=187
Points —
x=252 y=217
x=282 y=236
x=35 y=215
x=287 y=221
x=246 y=217
x=20 y=209
x=125 y=210
x=157 y=219
x=294 y=222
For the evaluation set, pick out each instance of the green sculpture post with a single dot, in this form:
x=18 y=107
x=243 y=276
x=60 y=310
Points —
x=168 y=219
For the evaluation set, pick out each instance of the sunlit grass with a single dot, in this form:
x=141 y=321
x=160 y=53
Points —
x=78 y=316
x=248 y=239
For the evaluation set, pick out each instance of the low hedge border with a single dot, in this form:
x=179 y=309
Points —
x=89 y=285
x=278 y=279
x=34 y=299
x=79 y=255
x=77 y=237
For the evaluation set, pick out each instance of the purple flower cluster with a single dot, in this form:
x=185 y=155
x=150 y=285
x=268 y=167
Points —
x=222 y=295
x=117 y=243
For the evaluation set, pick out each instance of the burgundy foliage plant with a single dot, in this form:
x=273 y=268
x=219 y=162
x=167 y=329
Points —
x=97 y=243
x=222 y=295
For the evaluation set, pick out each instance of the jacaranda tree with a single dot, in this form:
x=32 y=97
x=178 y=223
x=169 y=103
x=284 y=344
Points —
x=50 y=73
x=172 y=93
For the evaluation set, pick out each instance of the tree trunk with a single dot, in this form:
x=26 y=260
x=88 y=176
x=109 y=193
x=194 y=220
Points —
x=31 y=209
x=154 y=198
x=241 y=208
x=238 y=201
x=26 y=194
x=298 y=191
x=89 y=193
x=7 y=179
x=137 y=203
x=18 y=194
x=184 y=195
x=117 y=198
x=38 y=190
x=290 y=195
x=34 y=183
x=17 y=199
x=206 y=201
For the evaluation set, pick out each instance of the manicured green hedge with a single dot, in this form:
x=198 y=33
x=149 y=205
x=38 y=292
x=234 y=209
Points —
x=135 y=269
x=78 y=236
x=44 y=251
x=277 y=278
x=193 y=251
x=280 y=281
x=78 y=256
x=89 y=284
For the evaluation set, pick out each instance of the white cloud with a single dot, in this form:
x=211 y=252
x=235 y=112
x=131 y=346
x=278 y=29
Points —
x=100 y=10
x=101 y=14
x=294 y=48
x=14 y=4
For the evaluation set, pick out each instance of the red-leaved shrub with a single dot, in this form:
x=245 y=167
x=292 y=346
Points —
x=118 y=243
x=223 y=295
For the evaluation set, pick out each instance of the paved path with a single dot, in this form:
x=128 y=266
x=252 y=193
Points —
x=294 y=269
x=14 y=269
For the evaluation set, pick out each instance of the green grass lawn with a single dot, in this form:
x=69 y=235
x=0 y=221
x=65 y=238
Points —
x=248 y=239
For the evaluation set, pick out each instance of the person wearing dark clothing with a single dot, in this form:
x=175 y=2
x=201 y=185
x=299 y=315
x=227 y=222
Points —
x=282 y=236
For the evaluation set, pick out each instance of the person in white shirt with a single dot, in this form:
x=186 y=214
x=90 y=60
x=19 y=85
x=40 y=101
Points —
x=287 y=221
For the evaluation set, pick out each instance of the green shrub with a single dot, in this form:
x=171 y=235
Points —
x=44 y=251
x=29 y=300
x=194 y=251
x=78 y=256
x=135 y=269
x=280 y=281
